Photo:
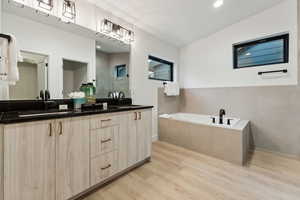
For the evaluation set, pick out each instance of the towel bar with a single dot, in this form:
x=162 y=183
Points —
x=275 y=71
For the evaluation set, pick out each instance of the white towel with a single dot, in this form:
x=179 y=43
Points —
x=13 y=57
x=172 y=89
x=3 y=59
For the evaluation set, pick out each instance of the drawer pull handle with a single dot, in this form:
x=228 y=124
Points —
x=106 y=120
x=104 y=141
x=140 y=115
x=135 y=116
x=61 y=128
x=50 y=131
x=108 y=166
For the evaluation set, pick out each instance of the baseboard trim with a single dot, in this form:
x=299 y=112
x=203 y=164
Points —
x=95 y=188
x=285 y=155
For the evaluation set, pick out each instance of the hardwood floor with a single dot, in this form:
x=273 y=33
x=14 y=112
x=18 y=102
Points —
x=178 y=174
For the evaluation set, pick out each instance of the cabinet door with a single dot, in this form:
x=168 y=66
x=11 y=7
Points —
x=123 y=141
x=144 y=134
x=29 y=162
x=72 y=158
x=132 y=138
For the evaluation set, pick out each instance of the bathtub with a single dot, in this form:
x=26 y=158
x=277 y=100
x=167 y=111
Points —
x=199 y=133
x=202 y=119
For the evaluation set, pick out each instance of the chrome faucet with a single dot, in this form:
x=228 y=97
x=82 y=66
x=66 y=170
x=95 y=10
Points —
x=221 y=115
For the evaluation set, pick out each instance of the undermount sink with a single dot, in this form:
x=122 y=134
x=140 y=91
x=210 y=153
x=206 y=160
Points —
x=43 y=114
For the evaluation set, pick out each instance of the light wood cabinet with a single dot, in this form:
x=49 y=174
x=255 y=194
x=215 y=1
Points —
x=59 y=159
x=72 y=157
x=29 y=162
x=144 y=136
x=132 y=155
x=139 y=136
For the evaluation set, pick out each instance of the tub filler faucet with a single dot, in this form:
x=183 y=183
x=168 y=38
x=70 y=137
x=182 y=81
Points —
x=221 y=115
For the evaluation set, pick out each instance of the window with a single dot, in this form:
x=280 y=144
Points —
x=121 y=71
x=160 y=69
x=267 y=51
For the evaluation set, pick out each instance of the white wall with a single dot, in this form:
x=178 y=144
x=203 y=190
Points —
x=0 y=16
x=208 y=62
x=144 y=91
x=57 y=44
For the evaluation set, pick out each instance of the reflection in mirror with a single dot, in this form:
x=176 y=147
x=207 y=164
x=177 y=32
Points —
x=33 y=72
x=74 y=75
x=112 y=68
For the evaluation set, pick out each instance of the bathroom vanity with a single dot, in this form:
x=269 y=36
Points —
x=68 y=156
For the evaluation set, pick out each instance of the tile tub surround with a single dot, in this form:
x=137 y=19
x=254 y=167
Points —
x=166 y=104
x=229 y=144
x=273 y=112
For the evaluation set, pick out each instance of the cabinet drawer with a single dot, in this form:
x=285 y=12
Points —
x=103 y=167
x=105 y=121
x=104 y=140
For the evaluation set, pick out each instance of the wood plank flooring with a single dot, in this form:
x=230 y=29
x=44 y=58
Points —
x=179 y=174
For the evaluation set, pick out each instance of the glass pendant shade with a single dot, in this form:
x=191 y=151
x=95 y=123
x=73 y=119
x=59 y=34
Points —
x=69 y=9
x=106 y=27
x=117 y=32
x=45 y=4
x=131 y=36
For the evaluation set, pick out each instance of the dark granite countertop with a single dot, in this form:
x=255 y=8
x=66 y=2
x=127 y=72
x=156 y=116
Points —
x=37 y=115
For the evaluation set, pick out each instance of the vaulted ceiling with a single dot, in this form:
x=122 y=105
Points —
x=181 y=22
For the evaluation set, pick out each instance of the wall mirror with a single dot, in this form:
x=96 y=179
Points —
x=77 y=55
x=74 y=74
x=112 y=68
x=33 y=72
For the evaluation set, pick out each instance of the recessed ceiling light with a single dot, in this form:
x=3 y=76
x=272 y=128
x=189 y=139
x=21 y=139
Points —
x=98 y=47
x=218 y=3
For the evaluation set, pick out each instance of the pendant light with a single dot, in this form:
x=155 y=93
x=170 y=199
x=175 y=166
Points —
x=116 y=31
x=69 y=9
x=106 y=27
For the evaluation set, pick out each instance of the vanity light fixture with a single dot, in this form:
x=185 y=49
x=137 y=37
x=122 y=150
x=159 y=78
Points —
x=106 y=27
x=129 y=36
x=116 y=31
x=45 y=4
x=218 y=3
x=69 y=9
